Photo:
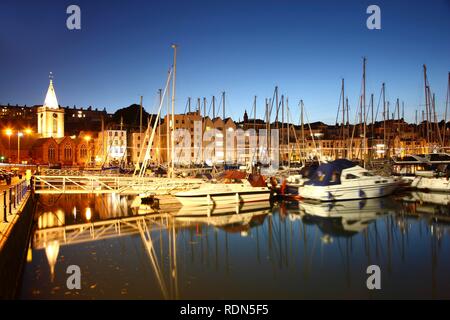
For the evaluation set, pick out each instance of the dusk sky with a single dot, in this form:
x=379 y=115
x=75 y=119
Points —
x=242 y=47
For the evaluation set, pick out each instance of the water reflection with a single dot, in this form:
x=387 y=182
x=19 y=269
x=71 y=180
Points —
x=345 y=218
x=289 y=250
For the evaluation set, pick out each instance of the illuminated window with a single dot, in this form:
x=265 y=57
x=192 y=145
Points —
x=51 y=153
x=67 y=152
x=83 y=151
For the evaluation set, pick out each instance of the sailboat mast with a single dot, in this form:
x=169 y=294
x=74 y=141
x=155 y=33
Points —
x=223 y=104
x=140 y=118
x=267 y=123
x=364 y=110
x=384 y=114
x=398 y=115
x=348 y=128
x=372 y=120
x=288 y=133
x=103 y=136
x=446 y=108
x=168 y=132
x=174 y=46
x=282 y=125
x=343 y=118
x=426 y=101
x=214 y=106
x=159 y=129
x=254 y=113
x=302 y=125
x=276 y=104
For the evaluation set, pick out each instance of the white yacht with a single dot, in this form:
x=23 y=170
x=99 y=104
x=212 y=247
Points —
x=435 y=183
x=343 y=180
x=432 y=174
x=235 y=187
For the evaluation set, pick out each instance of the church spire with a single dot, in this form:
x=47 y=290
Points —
x=50 y=99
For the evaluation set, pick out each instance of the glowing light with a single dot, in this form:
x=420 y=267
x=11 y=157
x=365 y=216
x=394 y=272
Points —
x=87 y=138
x=74 y=213
x=51 y=251
x=19 y=134
x=244 y=233
x=28 y=131
x=8 y=132
x=29 y=254
x=88 y=214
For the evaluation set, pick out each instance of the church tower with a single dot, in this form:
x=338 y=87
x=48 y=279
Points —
x=50 y=115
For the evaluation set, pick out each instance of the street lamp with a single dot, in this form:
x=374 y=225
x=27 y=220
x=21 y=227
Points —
x=9 y=132
x=87 y=139
x=19 y=135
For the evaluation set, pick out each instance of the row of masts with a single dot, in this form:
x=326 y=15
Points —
x=429 y=128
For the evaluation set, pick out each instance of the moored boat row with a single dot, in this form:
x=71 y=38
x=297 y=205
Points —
x=332 y=181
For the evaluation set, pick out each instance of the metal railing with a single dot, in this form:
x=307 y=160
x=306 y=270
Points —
x=108 y=184
x=11 y=198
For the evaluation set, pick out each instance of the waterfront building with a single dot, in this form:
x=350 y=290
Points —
x=67 y=151
x=50 y=117
x=111 y=147
x=136 y=146
x=162 y=140
x=202 y=132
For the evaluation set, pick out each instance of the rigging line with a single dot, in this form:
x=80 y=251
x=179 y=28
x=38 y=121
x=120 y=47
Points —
x=295 y=133
x=271 y=105
x=339 y=107
x=378 y=105
x=147 y=132
x=220 y=104
x=310 y=130
x=209 y=110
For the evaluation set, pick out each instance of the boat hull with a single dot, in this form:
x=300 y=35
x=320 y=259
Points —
x=209 y=199
x=341 y=192
x=441 y=184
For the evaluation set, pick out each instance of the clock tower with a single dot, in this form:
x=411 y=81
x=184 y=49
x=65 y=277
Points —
x=50 y=115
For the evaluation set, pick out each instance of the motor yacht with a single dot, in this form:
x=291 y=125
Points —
x=344 y=180
x=232 y=187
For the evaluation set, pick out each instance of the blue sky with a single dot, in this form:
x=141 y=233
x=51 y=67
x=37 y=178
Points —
x=242 y=47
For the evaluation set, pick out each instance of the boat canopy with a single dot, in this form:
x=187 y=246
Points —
x=309 y=170
x=234 y=174
x=328 y=174
x=256 y=180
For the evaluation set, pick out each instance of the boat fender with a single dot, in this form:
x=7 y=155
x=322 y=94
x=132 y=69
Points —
x=283 y=187
x=362 y=194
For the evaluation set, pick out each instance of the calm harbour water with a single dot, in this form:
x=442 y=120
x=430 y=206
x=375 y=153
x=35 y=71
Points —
x=287 y=251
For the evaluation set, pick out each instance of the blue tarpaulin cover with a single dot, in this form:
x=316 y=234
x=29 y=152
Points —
x=328 y=174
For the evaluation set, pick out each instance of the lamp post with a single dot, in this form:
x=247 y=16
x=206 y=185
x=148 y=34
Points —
x=9 y=132
x=87 y=139
x=19 y=135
